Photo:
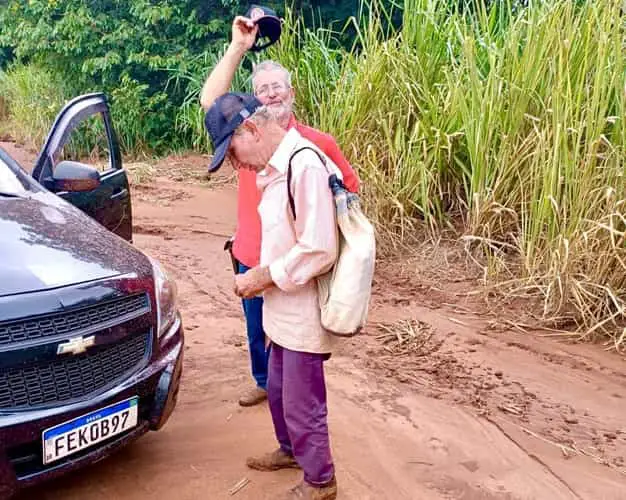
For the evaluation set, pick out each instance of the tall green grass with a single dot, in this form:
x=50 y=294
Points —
x=32 y=97
x=189 y=78
x=505 y=122
x=4 y=106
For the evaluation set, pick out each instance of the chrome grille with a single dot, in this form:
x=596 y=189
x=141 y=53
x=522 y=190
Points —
x=71 y=321
x=70 y=377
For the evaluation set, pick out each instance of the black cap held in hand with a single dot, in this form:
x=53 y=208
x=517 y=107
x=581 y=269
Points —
x=223 y=117
x=269 y=26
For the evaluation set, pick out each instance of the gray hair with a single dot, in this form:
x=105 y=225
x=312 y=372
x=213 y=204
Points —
x=269 y=65
x=261 y=116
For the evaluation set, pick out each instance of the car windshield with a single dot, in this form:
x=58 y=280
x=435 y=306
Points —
x=11 y=183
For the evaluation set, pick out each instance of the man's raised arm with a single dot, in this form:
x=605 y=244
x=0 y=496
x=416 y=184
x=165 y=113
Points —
x=220 y=79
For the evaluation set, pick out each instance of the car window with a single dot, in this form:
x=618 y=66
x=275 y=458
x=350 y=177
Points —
x=88 y=144
x=10 y=182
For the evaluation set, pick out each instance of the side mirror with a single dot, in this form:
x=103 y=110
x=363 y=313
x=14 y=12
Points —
x=74 y=176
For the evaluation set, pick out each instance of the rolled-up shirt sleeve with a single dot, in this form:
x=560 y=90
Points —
x=315 y=250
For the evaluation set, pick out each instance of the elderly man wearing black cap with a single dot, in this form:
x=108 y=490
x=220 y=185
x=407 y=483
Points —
x=294 y=251
x=272 y=86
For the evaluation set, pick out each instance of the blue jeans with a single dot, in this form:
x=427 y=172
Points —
x=259 y=355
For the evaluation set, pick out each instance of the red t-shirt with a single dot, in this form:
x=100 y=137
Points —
x=247 y=244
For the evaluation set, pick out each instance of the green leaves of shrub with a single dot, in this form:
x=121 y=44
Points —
x=121 y=47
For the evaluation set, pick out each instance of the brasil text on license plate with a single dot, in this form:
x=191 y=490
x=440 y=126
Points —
x=82 y=432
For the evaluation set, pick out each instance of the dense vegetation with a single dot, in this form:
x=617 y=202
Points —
x=149 y=56
x=501 y=120
x=128 y=48
x=509 y=122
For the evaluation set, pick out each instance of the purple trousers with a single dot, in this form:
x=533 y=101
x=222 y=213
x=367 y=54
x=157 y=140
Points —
x=296 y=394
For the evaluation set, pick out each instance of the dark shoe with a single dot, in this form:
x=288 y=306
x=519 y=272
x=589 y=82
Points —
x=253 y=397
x=307 y=491
x=273 y=461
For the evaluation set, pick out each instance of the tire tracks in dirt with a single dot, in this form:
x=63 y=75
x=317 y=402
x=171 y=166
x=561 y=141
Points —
x=403 y=426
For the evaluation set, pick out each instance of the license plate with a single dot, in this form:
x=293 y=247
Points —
x=86 y=431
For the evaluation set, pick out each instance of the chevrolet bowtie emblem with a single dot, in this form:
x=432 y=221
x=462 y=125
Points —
x=77 y=345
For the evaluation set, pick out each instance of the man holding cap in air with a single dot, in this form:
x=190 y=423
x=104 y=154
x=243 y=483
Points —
x=271 y=84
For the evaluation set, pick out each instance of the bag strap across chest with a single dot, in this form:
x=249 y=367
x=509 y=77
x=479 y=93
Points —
x=292 y=203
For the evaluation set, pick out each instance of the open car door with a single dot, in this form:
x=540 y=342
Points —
x=81 y=162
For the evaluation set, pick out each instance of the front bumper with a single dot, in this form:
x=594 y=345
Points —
x=156 y=385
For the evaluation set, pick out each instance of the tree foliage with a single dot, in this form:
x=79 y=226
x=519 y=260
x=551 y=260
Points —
x=105 y=39
x=129 y=49
x=123 y=47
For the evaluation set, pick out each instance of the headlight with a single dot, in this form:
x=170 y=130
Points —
x=166 y=297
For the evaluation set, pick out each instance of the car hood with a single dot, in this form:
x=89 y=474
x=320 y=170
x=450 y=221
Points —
x=47 y=243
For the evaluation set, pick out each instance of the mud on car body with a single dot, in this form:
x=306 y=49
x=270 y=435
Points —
x=91 y=339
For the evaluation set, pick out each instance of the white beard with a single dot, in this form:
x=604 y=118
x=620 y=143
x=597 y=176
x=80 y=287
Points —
x=281 y=113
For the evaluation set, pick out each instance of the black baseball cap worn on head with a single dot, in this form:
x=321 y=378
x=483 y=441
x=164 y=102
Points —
x=268 y=23
x=223 y=117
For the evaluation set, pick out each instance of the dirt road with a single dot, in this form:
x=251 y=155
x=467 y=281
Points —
x=464 y=408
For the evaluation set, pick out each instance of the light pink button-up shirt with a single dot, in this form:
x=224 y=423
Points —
x=296 y=251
